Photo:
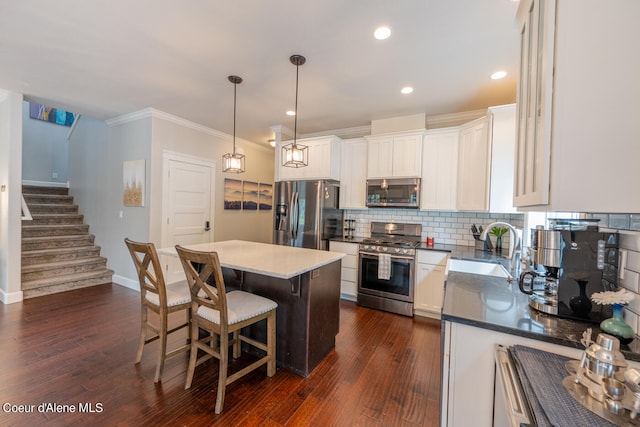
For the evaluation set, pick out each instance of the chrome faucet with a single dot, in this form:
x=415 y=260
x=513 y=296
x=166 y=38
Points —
x=514 y=244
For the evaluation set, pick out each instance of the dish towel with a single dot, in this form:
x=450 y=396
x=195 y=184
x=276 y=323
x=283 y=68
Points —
x=384 y=266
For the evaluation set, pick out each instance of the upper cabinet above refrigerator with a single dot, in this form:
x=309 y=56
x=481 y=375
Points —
x=324 y=160
x=577 y=141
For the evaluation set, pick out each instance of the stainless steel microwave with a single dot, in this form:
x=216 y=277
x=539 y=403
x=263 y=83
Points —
x=393 y=193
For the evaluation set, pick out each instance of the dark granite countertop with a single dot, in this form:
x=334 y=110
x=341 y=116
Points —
x=493 y=303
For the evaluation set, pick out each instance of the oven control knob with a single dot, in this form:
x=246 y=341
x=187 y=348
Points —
x=398 y=250
x=384 y=249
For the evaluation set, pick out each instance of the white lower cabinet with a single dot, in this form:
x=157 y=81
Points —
x=349 y=271
x=468 y=371
x=429 y=286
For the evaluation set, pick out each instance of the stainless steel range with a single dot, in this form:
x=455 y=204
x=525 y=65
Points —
x=387 y=267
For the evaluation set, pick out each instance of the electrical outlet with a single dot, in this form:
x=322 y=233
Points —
x=54 y=175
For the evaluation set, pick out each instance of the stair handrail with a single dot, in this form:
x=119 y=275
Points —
x=26 y=213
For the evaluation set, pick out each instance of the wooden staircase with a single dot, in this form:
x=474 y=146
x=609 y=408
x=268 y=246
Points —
x=58 y=253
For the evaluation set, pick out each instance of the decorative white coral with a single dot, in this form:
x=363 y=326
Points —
x=586 y=338
x=622 y=296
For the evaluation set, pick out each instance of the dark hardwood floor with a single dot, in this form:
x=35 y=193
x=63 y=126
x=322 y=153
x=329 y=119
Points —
x=77 y=348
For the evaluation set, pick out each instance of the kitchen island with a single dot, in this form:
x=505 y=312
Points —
x=480 y=312
x=304 y=282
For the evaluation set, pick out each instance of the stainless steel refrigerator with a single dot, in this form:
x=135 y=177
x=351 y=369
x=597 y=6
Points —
x=306 y=213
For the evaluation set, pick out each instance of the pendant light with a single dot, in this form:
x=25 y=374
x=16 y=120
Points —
x=295 y=155
x=233 y=162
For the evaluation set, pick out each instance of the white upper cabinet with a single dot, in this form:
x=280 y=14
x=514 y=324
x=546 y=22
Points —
x=397 y=155
x=502 y=133
x=440 y=169
x=324 y=160
x=473 y=166
x=578 y=106
x=353 y=181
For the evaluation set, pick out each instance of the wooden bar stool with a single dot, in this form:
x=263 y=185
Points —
x=160 y=298
x=219 y=313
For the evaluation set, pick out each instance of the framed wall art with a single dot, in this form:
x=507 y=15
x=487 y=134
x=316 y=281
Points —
x=133 y=180
x=250 y=196
x=265 y=197
x=232 y=194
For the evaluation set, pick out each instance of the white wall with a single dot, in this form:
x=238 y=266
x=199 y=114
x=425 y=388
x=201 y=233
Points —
x=10 y=196
x=45 y=149
x=97 y=151
x=96 y=155
x=209 y=145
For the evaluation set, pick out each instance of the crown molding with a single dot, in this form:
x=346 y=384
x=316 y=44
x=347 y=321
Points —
x=454 y=119
x=157 y=114
x=346 y=133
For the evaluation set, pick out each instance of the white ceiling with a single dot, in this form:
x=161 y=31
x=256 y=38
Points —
x=108 y=58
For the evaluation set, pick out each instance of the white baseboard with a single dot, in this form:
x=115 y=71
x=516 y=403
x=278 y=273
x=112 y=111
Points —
x=11 y=298
x=125 y=282
x=348 y=297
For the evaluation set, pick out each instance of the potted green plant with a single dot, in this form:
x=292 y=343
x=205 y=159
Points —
x=498 y=232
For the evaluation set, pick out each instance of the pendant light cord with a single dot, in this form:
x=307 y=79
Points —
x=235 y=88
x=295 y=118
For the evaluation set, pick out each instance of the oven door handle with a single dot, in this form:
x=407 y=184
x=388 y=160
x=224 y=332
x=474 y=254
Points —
x=393 y=256
x=515 y=400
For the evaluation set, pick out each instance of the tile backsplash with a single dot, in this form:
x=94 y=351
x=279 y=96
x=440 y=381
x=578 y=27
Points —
x=453 y=228
x=630 y=275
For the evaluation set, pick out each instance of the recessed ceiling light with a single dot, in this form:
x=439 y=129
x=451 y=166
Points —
x=498 y=75
x=291 y=113
x=382 y=33
x=406 y=90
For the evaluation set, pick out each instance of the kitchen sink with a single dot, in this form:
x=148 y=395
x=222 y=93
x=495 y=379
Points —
x=477 y=267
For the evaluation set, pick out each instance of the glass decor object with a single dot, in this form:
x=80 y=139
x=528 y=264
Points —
x=615 y=325
x=233 y=162
x=295 y=155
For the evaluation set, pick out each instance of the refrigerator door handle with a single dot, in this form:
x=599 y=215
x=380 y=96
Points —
x=295 y=216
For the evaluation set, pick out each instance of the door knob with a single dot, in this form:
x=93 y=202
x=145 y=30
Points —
x=207 y=226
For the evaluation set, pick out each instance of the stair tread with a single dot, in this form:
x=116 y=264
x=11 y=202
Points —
x=55 y=215
x=53 y=225
x=62 y=250
x=64 y=237
x=65 y=263
x=29 y=284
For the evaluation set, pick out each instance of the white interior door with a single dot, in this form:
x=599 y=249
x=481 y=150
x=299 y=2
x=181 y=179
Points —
x=187 y=213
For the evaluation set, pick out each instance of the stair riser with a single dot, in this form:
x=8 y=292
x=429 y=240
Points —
x=53 y=209
x=35 y=189
x=45 y=200
x=55 y=231
x=47 y=290
x=64 y=270
x=55 y=220
x=61 y=243
x=28 y=260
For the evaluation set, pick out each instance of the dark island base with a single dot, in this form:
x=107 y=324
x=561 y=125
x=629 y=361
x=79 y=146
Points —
x=307 y=317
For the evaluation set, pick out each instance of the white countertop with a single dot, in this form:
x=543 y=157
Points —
x=278 y=261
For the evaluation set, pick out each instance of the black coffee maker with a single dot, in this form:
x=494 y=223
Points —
x=572 y=260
